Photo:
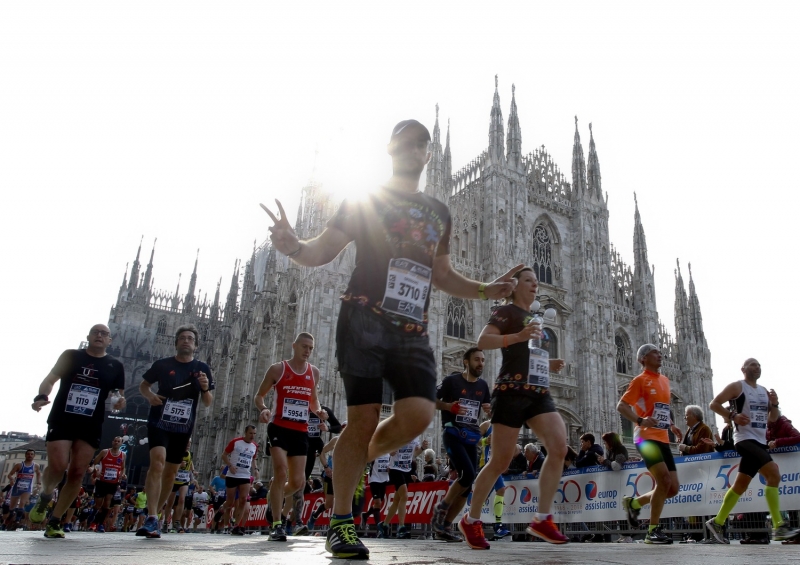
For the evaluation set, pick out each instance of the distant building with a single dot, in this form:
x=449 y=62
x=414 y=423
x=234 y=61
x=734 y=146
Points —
x=507 y=208
x=17 y=455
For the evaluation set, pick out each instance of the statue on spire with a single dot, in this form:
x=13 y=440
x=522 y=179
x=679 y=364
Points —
x=495 y=81
x=513 y=89
x=437 y=110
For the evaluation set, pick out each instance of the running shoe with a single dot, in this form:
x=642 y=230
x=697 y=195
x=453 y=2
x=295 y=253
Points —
x=68 y=527
x=438 y=518
x=403 y=533
x=783 y=532
x=447 y=534
x=546 y=530
x=717 y=532
x=500 y=531
x=150 y=528
x=382 y=531
x=657 y=536
x=343 y=542
x=473 y=533
x=53 y=530
x=278 y=533
x=302 y=530
x=101 y=529
x=39 y=511
x=631 y=512
x=237 y=531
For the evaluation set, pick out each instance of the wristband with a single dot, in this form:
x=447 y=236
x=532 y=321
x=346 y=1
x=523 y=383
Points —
x=639 y=420
x=204 y=391
x=39 y=397
x=297 y=252
x=454 y=409
x=775 y=405
x=481 y=291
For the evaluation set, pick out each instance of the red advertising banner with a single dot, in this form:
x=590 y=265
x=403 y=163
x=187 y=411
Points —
x=422 y=497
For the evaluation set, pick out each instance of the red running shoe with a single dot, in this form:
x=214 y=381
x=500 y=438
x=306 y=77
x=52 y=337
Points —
x=473 y=533
x=546 y=530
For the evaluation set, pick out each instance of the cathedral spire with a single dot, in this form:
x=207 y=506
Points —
x=514 y=132
x=189 y=303
x=496 y=146
x=124 y=286
x=248 y=286
x=433 y=176
x=641 y=267
x=578 y=165
x=176 y=298
x=682 y=318
x=233 y=295
x=447 y=166
x=593 y=169
x=215 y=307
x=148 y=275
x=695 y=317
x=134 y=281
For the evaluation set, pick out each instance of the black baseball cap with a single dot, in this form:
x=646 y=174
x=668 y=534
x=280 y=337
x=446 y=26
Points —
x=405 y=124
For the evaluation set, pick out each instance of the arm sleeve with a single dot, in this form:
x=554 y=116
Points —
x=334 y=425
x=230 y=446
x=119 y=383
x=443 y=389
x=62 y=366
x=211 y=383
x=792 y=438
x=151 y=375
x=633 y=394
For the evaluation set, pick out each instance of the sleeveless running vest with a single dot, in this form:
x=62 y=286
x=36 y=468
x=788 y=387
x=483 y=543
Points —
x=293 y=398
x=25 y=476
x=753 y=403
x=111 y=469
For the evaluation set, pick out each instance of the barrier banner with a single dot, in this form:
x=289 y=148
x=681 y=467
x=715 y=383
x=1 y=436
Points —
x=422 y=497
x=594 y=494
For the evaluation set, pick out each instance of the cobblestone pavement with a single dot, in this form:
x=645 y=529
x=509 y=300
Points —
x=202 y=549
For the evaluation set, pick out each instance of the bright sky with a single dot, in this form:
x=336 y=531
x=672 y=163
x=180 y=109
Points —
x=174 y=120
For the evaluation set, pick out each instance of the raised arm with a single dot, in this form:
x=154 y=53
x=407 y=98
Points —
x=310 y=253
x=455 y=284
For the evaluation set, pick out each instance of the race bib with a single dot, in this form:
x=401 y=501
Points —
x=82 y=399
x=661 y=415
x=24 y=484
x=177 y=411
x=110 y=474
x=382 y=464
x=539 y=368
x=407 y=286
x=759 y=414
x=244 y=461
x=295 y=410
x=404 y=457
x=182 y=476
x=473 y=408
x=313 y=427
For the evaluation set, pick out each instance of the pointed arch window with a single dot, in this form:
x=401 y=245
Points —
x=456 y=318
x=542 y=255
x=623 y=357
x=161 y=328
x=550 y=343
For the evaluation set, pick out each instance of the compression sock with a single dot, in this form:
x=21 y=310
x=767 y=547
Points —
x=498 y=508
x=771 y=494
x=731 y=497
x=651 y=528
x=341 y=518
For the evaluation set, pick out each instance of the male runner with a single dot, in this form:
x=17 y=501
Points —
x=326 y=460
x=378 y=481
x=402 y=241
x=295 y=382
x=23 y=476
x=199 y=506
x=461 y=397
x=75 y=423
x=112 y=470
x=649 y=393
x=294 y=507
x=240 y=457
x=176 y=501
x=400 y=476
x=183 y=382
x=753 y=409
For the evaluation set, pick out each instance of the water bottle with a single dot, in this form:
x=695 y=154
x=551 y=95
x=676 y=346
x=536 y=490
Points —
x=539 y=369
x=113 y=398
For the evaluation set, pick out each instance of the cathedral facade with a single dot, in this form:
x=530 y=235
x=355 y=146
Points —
x=507 y=208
